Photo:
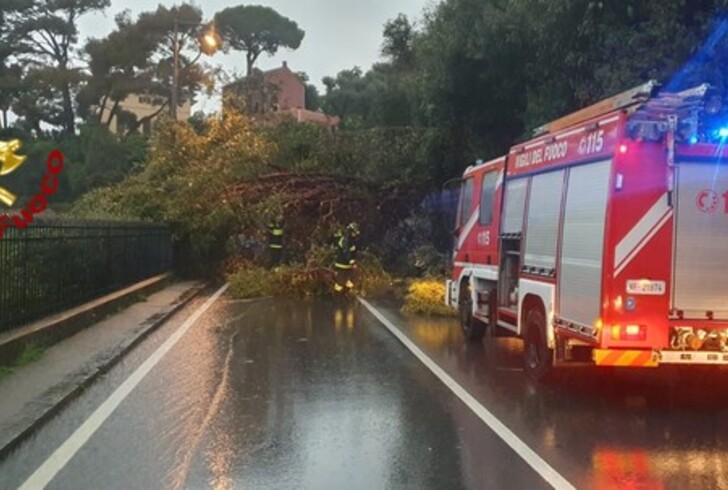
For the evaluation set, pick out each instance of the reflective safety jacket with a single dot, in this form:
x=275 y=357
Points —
x=352 y=251
x=344 y=257
x=275 y=236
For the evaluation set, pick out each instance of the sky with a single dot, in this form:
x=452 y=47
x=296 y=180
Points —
x=340 y=34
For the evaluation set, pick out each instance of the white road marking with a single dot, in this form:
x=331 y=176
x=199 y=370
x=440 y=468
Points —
x=535 y=461
x=55 y=463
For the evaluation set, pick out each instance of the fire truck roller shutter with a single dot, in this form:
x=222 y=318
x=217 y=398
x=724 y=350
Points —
x=580 y=274
x=515 y=202
x=542 y=226
x=701 y=240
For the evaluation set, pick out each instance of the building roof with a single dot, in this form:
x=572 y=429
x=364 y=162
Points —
x=283 y=68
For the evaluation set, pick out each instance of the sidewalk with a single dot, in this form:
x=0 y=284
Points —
x=33 y=393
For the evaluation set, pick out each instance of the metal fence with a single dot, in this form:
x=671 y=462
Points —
x=57 y=264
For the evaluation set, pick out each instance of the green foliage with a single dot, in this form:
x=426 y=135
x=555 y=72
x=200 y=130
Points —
x=427 y=296
x=607 y=47
x=135 y=59
x=31 y=353
x=371 y=279
x=480 y=74
x=186 y=183
x=256 y=29
x=429 y=261
x=313 y=98
x=382 y=97
x=46 y=35
x=10 y=72
x=389 y=156
x=412 y=247
x=95 y=157
x=252 y=281
x=399 y=36
x=107 y=158
x=312 y=278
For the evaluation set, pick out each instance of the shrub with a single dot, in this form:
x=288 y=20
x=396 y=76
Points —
x=427 y=296
x=186 y=184
x=251 y=281
x=373 y=280
x=314 y=278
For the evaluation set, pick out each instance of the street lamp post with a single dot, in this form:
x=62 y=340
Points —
x=209 y=42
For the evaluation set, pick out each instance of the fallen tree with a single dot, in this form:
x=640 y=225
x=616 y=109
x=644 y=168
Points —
x=314 y=205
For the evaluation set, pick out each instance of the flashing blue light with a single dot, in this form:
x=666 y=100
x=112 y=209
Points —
x=723 y=132
x=693 y=140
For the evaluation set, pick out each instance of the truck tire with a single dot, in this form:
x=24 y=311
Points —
x=473 y=329
x=538 y=358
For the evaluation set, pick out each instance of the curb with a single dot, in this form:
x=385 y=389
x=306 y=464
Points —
x=152 y=324
x=55 y=328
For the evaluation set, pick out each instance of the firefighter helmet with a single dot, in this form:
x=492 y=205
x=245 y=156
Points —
x=353 y=229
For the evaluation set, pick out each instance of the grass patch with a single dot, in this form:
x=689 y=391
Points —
x=427 y=296
x=5 y=372
x=31 y=353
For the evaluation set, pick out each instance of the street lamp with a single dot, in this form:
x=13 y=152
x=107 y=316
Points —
x=209 y=42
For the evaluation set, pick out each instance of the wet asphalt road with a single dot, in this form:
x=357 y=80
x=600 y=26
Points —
x=313 y=394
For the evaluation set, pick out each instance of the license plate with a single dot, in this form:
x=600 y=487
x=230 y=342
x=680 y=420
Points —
x=646 y=287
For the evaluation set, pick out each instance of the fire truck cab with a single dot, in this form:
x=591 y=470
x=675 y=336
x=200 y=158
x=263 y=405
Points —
x=604 y=239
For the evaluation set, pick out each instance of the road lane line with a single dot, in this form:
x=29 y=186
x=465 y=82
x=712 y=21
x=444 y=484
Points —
x=56 y=461
x=535 y=461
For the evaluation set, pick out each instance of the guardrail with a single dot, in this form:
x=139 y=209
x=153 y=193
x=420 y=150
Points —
x=54 y=265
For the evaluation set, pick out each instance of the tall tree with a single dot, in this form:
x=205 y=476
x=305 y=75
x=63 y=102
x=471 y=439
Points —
x=399 y=36
x=256 y=30
x=10 y=71
x=313 y=98
x=137 y=58
x=47 y=34
x=379 y=97
x=607 y=47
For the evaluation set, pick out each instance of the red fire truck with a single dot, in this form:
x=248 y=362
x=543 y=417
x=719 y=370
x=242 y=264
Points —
x=604 y=239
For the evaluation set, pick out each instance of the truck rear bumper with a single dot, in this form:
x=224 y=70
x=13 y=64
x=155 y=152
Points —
x=653 y=358
x=625 y=358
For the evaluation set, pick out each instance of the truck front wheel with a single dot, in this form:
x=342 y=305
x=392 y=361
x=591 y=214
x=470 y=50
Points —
x=473 y=329
x=538 y=358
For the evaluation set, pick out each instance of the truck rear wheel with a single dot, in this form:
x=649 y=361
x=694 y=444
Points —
x=538 y=358
x=473 y=329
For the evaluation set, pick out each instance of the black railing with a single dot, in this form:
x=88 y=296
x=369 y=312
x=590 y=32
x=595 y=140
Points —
x=57 y=264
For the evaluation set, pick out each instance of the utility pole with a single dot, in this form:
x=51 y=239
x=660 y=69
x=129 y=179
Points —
x=175 y=73
x=209 y=42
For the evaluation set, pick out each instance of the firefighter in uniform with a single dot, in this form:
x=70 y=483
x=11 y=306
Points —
x=353 y=233
x=345 y=263
x=275 y=242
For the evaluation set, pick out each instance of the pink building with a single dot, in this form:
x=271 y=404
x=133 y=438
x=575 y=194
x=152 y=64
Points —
x=273 y=96
x=291 y=91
